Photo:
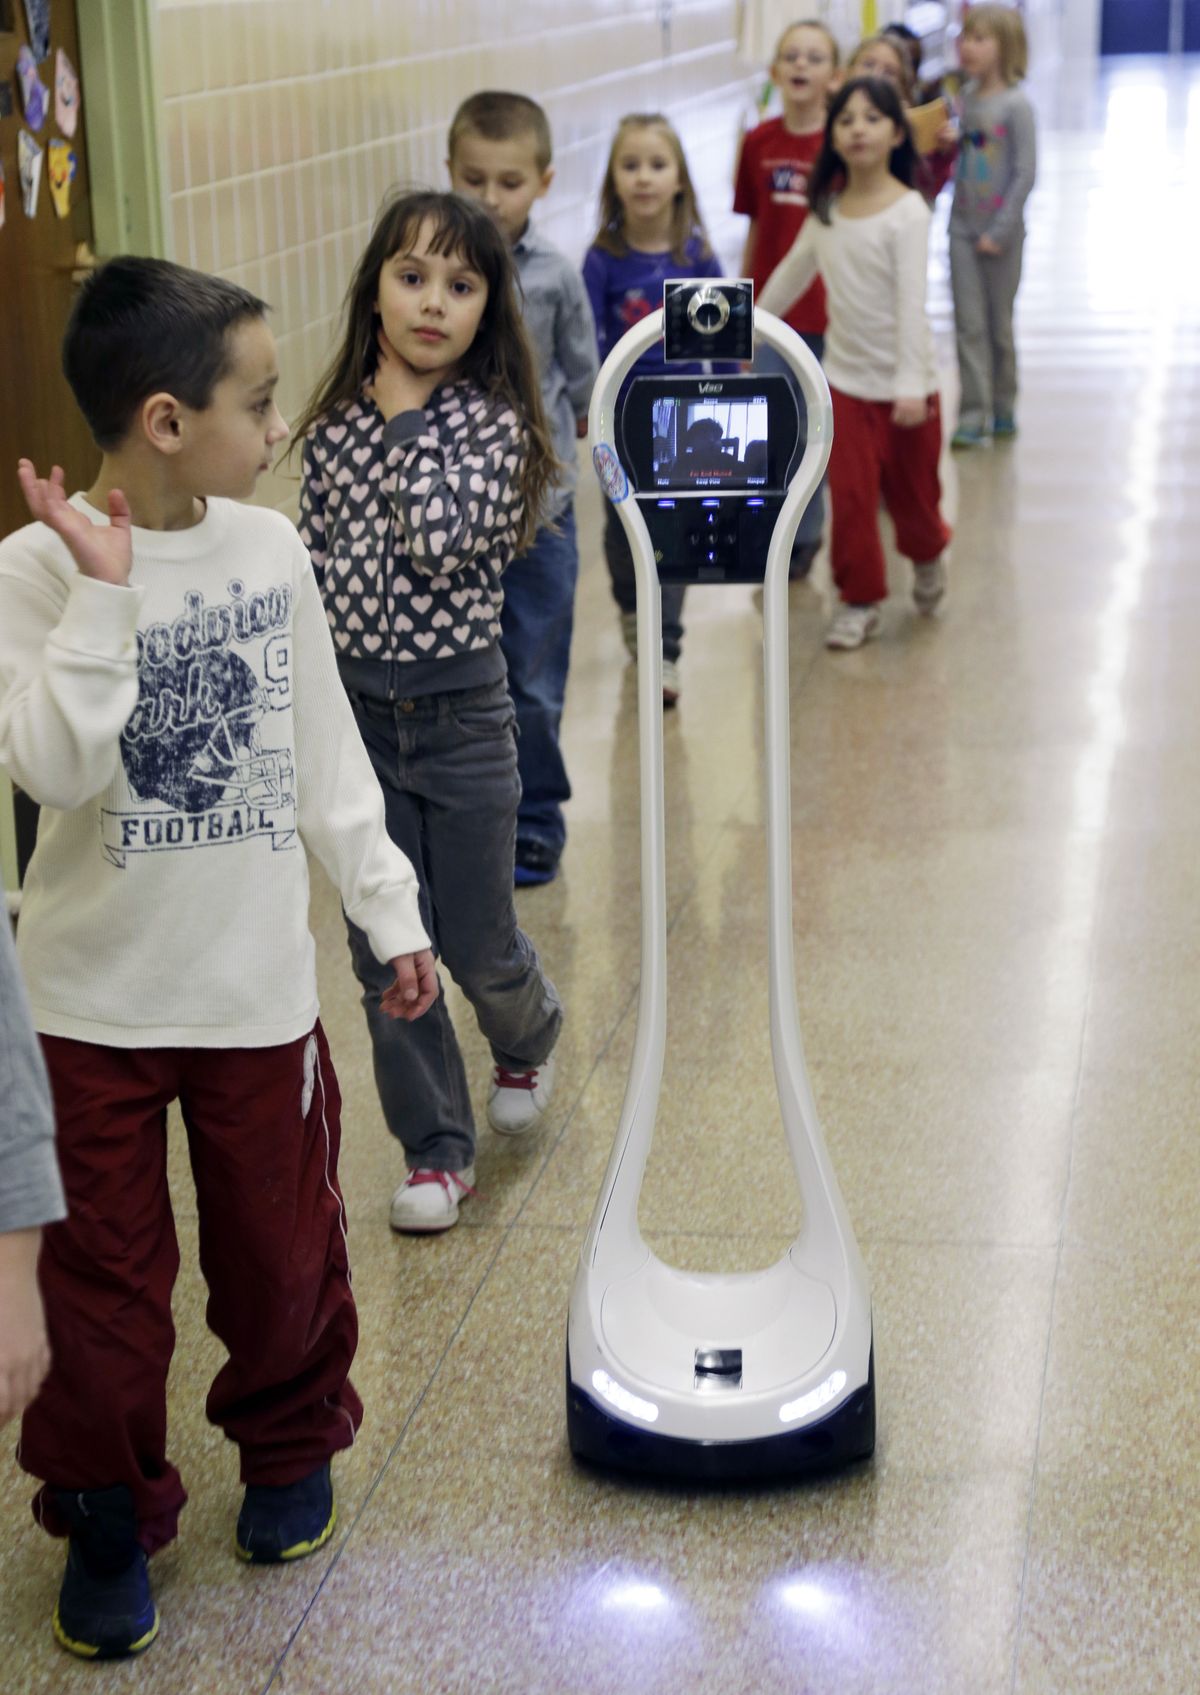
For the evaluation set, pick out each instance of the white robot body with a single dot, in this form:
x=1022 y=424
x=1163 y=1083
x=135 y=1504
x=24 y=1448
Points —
x=687 y=1374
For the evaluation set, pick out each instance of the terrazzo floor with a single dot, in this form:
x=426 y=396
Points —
x=998 y=949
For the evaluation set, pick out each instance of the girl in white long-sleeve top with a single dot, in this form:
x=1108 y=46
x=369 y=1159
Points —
x=869 y=243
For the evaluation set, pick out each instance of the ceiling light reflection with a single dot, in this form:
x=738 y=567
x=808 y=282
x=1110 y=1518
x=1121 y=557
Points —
x=632 y=1597
x=802 y=1595
x=834 y=1605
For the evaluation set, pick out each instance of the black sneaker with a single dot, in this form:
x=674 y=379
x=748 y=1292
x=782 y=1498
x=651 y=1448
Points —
x=288 y=1521
x=105 y=1609
x=535 y=863
x=802 y=559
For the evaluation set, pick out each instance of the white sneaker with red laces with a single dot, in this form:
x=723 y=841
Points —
x=519 y=1098
x=428 y=1200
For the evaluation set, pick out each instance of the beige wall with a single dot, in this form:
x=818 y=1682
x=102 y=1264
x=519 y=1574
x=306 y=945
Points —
x=285 y=121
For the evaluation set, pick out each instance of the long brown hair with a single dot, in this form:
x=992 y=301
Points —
x=686 y=222
x=499 y=360
x=828 y=176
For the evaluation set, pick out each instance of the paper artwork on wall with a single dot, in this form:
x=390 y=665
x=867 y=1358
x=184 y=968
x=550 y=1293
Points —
x=66 y=94
x=29 y=157
x=35 y=96
x=63 y=165
x=37 y=16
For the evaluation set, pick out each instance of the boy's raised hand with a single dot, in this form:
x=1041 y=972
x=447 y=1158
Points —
x=415 y=988
x=104 y=552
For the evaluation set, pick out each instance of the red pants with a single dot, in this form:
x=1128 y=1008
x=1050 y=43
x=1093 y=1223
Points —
x=263 y=1127
x=874 y=458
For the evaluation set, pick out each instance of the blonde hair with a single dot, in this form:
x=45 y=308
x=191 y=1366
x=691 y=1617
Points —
x=686 y=221
x=1004 y=25
x=894 y=47
x=821 y=28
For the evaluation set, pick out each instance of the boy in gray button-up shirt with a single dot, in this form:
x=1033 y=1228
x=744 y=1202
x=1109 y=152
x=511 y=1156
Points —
x=30 y=1191
x=500 y=154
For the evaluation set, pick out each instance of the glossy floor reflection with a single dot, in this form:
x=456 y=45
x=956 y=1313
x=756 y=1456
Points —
x=998 y=950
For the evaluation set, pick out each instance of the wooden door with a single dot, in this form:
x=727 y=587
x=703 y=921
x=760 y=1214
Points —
x=38 y=261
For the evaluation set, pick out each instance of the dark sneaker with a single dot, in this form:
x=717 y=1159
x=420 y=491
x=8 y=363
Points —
x=286 y=1521
x=671 y=682
x=1004 y=426
x=535 y=863
x=105 y=1608
x=802 y=559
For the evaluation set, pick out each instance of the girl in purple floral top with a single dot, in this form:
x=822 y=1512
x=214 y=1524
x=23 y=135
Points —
x=426 y=461
x=650 y=229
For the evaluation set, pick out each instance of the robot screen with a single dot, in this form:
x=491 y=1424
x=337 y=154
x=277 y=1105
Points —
x=717 y=444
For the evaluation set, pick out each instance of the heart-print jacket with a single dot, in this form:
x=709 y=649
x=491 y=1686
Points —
x=410 y=524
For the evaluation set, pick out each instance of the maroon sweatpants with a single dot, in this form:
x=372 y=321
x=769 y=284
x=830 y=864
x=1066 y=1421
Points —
x=872 y=458
x=263 y=1127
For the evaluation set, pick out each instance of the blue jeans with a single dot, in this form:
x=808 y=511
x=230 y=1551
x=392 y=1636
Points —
x=535 y=626
x=619 y=558
x=447 y=764
x=812 y=520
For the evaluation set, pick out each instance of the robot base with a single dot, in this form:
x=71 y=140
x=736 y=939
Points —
x=604 y=1440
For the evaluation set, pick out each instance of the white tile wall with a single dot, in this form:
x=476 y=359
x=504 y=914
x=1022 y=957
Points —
x=285 y=122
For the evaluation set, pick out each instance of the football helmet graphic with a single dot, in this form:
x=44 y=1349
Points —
x=194 y=739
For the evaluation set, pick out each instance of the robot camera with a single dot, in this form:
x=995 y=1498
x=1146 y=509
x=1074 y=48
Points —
x=711 y=319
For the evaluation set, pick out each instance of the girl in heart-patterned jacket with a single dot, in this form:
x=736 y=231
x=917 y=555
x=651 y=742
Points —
x=426 y=461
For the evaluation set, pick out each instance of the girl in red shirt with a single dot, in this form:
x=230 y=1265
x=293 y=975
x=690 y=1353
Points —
x=772 y=189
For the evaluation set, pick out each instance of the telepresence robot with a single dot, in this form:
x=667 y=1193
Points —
x=677 y=1374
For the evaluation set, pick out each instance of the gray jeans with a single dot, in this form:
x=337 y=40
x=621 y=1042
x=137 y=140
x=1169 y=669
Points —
x=985 y=290
x=448 y=767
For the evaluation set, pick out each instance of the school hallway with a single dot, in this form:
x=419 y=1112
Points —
x=998 y=955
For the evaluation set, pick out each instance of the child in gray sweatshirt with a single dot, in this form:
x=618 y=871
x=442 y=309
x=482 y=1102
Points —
x=30 y=1190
